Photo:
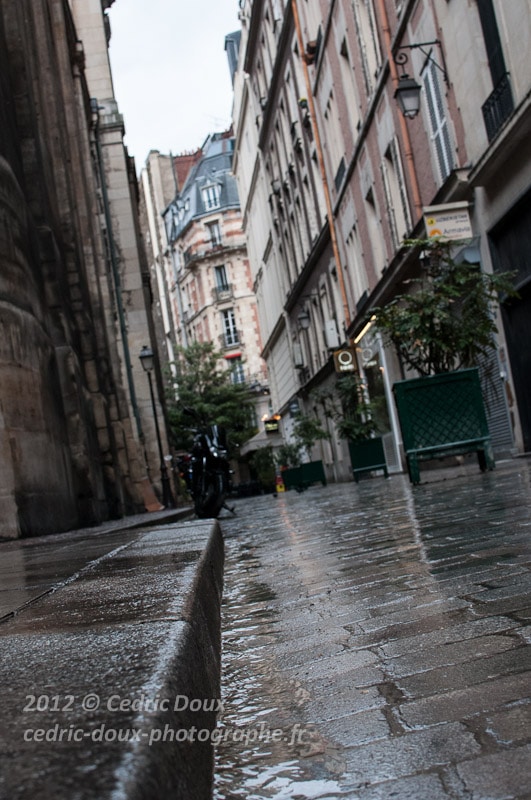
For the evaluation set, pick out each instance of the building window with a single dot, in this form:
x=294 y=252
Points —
x=222 y=283
x=374 y=228
x=237 y=373
x=492 y=39
x=211 y=196
x=440 y=134
x=395 y=193
x=350 y=88
x=214 y=233
x=369 y=45
x=334 y=141
x=277 y=11
x=355 y=274
x=230 y=334
x=499 y=105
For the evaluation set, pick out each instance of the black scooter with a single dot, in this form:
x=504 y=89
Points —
x=209 y=473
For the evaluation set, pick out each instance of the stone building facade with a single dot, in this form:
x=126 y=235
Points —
x=197 y=252
x=71 y=450
x=333 y=178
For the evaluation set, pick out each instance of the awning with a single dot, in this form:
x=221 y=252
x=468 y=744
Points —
x=261 y=439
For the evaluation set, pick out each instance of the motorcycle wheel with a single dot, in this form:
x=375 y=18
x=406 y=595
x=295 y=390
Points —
x=210 y=502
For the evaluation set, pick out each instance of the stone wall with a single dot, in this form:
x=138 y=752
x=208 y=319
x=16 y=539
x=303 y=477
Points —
x=67 y=452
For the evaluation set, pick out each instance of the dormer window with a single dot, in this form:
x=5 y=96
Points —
x=211 y=196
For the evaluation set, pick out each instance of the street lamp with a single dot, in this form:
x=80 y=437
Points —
x=147 y=361
x=303 y=319
x=407 y=94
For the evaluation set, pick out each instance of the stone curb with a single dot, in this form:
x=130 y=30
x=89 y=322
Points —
x=138 y=628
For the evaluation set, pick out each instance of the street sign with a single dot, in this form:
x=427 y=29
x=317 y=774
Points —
x=345 y=360
x=449 y=221
x=271 y=425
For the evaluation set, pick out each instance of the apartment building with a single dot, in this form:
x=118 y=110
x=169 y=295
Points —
x=333 y=176
x=198 y=258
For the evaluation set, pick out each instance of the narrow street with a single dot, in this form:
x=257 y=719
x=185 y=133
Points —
x=376 y=641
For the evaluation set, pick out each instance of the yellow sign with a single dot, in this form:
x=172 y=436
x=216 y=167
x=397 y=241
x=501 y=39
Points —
x=271 y=425
x=449 y=221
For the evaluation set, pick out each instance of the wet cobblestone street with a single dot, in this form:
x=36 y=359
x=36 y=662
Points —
x=376 y=641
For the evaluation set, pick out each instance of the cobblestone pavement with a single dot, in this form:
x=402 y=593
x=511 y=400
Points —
x=376 y=641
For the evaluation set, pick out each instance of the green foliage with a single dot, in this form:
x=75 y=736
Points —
x=356 y=420
x=204 y=385
x=263 y=462
x=288 y=455
x=307 y=431
x=347 y=406
x=447 y=321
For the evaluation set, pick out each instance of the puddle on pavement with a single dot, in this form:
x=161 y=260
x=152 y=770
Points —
x=264 y=750
x=396 y=570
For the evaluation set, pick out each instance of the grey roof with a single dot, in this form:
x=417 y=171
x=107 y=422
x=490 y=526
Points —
x=214 y=169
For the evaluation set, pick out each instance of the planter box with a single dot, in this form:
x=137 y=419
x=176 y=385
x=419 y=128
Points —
x=443 y=415
x=301 y=477
x=367 y=456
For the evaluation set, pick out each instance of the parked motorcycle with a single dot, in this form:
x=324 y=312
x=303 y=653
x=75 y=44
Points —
x=208 y=476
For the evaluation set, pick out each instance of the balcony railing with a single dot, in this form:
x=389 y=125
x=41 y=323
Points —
x=207 y=250
x=498 y=107
x=230 y=340
x=222 y=293
x=188 y=256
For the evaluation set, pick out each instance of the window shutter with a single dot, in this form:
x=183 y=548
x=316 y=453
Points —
x=440 y=134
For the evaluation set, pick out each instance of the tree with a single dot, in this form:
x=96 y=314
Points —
x=447 y=322
x=307 y=431
x=204 y=394
x=263 y=462
x=355 y=422
x=288 y=455
x=347 y=406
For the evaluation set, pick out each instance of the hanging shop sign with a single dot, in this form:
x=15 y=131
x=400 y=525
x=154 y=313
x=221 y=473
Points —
x=345 y=360
x=448 y=221
x=271 y=425
x=294 y=408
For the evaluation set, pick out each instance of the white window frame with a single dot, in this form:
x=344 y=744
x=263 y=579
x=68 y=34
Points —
x=211 y=196
x=230 y=332
x=214 y=232
x=395 y=193
x=220 y=272
x=372 y=214
x=236 y=369
x=366 y=29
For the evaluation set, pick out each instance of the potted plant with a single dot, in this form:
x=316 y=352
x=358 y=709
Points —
x=440 y=328
x=356 y=423
x=263 y=463
x=307 y=431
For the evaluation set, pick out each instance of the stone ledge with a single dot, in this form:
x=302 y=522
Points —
x=107 y=671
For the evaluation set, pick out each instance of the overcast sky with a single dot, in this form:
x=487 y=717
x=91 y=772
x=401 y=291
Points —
x=170 y=71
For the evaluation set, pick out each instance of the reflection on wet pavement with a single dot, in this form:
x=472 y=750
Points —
x=371 y=635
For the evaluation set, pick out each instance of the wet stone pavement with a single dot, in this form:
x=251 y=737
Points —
x=376 y=641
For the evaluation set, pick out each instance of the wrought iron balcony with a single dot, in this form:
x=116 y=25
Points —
x=189 y=256
x=222 y=293
x=230 y=340
x=498 y=107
